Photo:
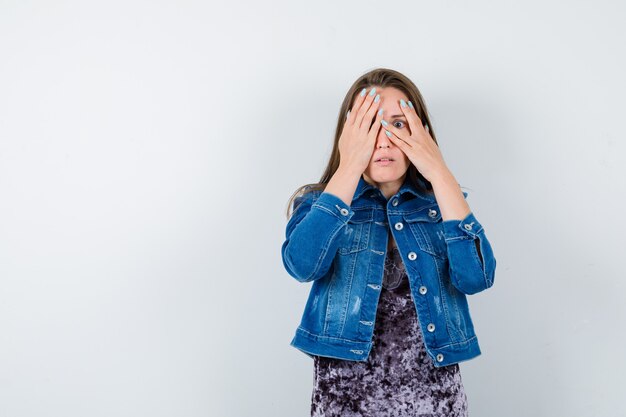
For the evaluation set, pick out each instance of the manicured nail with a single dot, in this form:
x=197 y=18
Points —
x=402 y=103
x=380 y=112
x=376 y=98
x=373 y=91
x=411 y=105
x=384 y=123
x=348 y=114
x=387 y=133
x=363 y=92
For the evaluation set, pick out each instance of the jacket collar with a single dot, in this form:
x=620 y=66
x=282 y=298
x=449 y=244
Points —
x=406 y=187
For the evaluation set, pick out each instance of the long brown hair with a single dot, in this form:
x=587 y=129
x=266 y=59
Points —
x=379 y=77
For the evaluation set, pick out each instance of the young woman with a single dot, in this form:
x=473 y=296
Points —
x=392 y=249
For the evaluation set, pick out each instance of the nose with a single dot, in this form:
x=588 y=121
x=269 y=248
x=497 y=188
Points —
x=382 y=141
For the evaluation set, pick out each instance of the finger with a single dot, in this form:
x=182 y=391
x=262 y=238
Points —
x=371 y=115
x=365 y=106
x=351 y=114
x=415 y=123
x=404 y=147
x=376 y=126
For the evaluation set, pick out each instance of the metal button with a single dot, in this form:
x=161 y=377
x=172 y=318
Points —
x=431 y=327
x=423 y=290
x=395 y=202
x=399 y=226
x=468 y=226
x=412 y=256
x=439 y=357
x=432 y=213
x=344 y=211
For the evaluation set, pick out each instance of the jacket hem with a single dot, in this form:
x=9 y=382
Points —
x=334 y=347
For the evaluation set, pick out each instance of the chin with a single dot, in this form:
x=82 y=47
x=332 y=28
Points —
x=379 y=175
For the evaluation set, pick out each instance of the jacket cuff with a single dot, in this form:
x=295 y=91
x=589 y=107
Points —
x=466 y=228
x=334 y=205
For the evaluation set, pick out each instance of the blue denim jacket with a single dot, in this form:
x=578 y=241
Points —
x=342 y=249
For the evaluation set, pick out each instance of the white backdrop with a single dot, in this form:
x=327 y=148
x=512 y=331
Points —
x=148 y=149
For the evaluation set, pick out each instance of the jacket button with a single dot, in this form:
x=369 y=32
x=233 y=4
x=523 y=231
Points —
x=423 y=290
x=412 y=256
x=344 y=211
x=431 y=327
x=395 y=202
x=432 y=213
x=439 y=357
x=399 y=226
x=468 y=227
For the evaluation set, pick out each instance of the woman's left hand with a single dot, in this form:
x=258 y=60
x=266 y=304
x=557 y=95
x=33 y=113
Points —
x=418 y=146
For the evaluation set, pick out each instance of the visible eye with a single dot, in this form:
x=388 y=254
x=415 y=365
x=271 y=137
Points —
x=398 y=121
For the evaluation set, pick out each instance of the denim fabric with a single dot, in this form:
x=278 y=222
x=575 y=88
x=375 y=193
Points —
x=341 y=249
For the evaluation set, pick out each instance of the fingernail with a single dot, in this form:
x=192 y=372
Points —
x=348 y=114
x=363 y=92
x=373 y=91
x=376 y=98
x=387 y=133
x=411 y=105
x=380 y=112
x=402 y=103
x=384 y=123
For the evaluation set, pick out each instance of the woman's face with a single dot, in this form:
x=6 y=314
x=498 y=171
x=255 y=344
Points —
x=388 y=176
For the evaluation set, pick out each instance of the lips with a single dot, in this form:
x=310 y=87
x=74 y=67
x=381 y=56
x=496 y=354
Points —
x=383 y=158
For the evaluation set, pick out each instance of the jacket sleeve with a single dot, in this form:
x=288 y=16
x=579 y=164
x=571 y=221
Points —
x=312 y=235
x=472 y=264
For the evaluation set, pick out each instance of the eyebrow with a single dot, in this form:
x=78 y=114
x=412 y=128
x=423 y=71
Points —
x=397 y=115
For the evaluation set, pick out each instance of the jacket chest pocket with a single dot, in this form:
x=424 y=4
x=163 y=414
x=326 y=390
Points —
x=427 y=228
x=355 y=235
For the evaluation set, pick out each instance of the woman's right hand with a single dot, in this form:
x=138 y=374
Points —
x=358 y=137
